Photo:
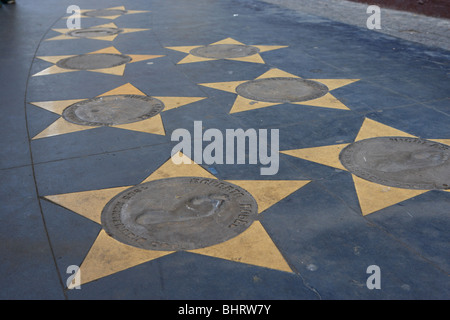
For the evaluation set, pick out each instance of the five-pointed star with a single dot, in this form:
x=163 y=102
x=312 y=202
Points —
x=372 y=196
x=255 y=58
x=243 y=104
x=108 y=256
x=116 y=70
x=64 y=33
x=111 y=16
x=153 y=125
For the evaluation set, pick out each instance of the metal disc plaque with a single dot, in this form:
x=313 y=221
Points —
x=401 y=162
x=93 y=61
x=93 y=32
x=112 y=110
x=281 y=89
x=104 y=13
x=182 y=213
x=224 y=51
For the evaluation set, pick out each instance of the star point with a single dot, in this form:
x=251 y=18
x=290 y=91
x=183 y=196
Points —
x=108 y=256
x=247 y=103
x=116 y=68
x=89 y=33
x=372 y=196
x=151 y=125
x=253 y=56
x=108 y=13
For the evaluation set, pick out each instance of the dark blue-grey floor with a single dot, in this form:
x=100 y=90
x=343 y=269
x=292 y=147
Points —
x=319 y=229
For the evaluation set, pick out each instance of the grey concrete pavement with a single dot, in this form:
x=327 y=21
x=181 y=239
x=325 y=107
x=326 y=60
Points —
x=422 y=29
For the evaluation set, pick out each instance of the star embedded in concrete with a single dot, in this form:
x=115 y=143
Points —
x=109 y=13
x=125 y=107
x=276 y=87
x=372 y=196
x=253 y=246
x=105 y=32
x=108 y=60
x=228 y=49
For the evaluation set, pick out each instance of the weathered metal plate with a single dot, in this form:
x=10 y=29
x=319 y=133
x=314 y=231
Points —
x=224 y=51
x=182 y=213
x=104 y=13
x=93 y=61
x=281 y=89
x=93 y=32
x=112 y=110
x=401 y=162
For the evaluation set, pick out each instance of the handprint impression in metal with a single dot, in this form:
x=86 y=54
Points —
x=192 y=209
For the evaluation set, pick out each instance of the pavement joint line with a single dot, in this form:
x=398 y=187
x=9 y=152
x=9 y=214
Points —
x=32 y=165
x=320 y=182
x=374 y=224
x=414 y=101
x=405 y=245
x=101 y=153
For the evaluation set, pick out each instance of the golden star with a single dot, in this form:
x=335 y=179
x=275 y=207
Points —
x=117 y=68
x=251 y=55
x=109 y=13
x=89 y=33
x=153 y=125
x=327 y=100
x=372 y=196
x=253 y=246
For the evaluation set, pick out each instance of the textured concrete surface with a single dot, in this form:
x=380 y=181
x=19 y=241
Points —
x=415 y=27
x=319 y=227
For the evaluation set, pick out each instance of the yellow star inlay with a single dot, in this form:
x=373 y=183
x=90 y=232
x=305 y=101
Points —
x=243 y=104
x=153 y=125
x=108 y=16
x=255 y=58
x=108 y=256
x=64 y=33
x=116 y=70
x=372 y=196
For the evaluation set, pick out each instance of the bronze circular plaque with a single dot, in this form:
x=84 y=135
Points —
x=224 y=51
x=400 y=162
x=93 y=32
x=182 y=213
x=281 y=89
x=93 y=61
x=104 y=13
x=112 y=110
